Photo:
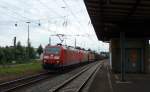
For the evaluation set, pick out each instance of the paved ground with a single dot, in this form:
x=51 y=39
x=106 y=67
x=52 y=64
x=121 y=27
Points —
x=105 y=81
x=134 y=83
x=101 y=81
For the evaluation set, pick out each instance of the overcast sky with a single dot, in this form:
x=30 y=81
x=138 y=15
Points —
x=67 y=17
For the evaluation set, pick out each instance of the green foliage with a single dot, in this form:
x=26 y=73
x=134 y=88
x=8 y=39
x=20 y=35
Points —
x=40 y=50
x=2 y=55
x=20 y=69
x=105 y=54
x=8 y=54
x=32 y=53
x=19 y=51
x=16 y=54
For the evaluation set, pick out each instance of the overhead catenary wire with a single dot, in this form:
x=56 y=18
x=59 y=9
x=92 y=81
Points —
x=33 y=20
x=79 y=22
x=14 y=12
x=14 y=7
x=26 y=17
x=15 y=18
x=19 y=21
x=18 y=14
x=51 y=10
x=34 y=8
x=20 y=17
x=68 y=7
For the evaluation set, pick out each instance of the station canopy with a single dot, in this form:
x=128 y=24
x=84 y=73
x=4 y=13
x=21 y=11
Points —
x=110 y=17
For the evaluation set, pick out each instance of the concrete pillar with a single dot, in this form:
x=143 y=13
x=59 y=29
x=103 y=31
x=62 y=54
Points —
x=141 y=45
x=122 y=53
x=115 y=54
x=146 y=57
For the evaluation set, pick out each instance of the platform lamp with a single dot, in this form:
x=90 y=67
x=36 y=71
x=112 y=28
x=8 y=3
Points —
x=16 y=24
x=39 y=24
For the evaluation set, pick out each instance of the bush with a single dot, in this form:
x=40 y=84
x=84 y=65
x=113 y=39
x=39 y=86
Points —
x=16 y=54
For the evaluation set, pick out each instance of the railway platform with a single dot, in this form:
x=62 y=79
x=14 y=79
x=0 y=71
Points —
x=106 y=81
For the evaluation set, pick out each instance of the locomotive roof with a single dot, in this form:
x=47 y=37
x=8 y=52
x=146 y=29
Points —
x=68 y=47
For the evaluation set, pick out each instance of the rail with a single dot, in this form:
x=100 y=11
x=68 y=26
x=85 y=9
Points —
x=58 y=87
x=12 y=85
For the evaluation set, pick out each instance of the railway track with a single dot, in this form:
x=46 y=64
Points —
x=18 y=83
x=30 y=80
x=71 y=81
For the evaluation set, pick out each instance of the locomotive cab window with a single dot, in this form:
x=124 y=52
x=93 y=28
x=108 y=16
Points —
x=52 y=50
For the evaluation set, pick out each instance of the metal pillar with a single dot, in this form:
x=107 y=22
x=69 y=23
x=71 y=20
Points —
x=142 y=60
x=49 y=40
x=14 y=47
x=75 y=43
x=122 y=53
x=28 y=40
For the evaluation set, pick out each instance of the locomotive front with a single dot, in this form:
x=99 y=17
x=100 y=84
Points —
x=52 y=57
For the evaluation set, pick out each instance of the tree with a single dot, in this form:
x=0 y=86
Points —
x=31 y=52
x=40 y=50
x=19 y=51
x=8 y=56
x=1 y=55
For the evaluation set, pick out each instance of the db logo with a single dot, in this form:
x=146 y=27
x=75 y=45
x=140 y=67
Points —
x=51 y=56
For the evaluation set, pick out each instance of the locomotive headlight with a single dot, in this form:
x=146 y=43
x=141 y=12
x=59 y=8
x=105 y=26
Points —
x=56 y=57
x=45 y=61
x=57 y=61
x=46 y=57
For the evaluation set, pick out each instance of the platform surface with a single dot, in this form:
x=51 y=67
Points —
x=106 y=81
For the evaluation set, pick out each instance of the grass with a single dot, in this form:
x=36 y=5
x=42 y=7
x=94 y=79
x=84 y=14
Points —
x=21 y=69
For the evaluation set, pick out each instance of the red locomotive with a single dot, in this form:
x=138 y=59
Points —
x=60 y=56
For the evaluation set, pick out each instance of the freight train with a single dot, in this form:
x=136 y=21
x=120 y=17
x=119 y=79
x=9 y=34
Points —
x=59 y=56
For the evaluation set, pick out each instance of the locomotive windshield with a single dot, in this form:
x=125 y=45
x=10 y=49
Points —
x=52 y=50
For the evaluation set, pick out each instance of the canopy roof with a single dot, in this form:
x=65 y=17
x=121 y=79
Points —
x=110 y=17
